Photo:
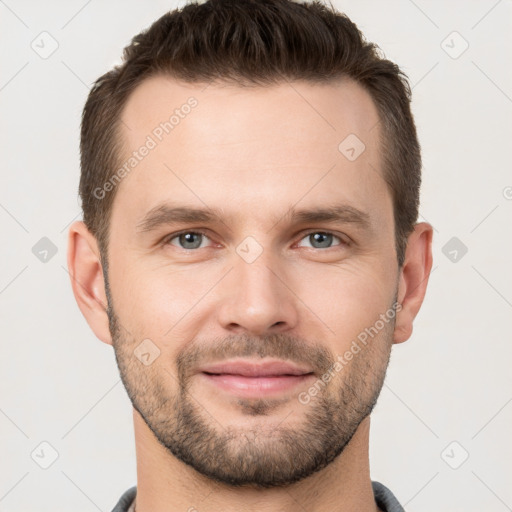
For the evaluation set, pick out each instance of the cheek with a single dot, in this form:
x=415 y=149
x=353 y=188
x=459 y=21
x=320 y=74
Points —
x=157 y=302
x=347 y=299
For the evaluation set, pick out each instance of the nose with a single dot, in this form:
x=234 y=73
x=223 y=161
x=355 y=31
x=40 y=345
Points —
x=258 y=298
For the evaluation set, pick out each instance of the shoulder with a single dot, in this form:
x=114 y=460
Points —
x=126 y=500
x=385 y=499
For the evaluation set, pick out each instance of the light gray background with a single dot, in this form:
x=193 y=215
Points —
x=450 y=382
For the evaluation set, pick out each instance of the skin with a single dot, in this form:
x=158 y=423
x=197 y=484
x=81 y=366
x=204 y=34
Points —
x=253 y=154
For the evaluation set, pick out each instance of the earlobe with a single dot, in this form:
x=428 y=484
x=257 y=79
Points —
x=87 y=281
x=413 y=279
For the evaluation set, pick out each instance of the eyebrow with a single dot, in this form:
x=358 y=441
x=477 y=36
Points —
x=166 y=214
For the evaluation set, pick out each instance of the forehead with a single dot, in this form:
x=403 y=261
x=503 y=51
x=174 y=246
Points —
x=327 y=109
x=249 y=147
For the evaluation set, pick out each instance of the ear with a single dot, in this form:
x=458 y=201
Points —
x=413 y=279
x=86 y=274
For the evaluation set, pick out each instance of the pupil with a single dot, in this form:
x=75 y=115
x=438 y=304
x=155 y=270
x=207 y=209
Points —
x=188 y=238
x=322 y=238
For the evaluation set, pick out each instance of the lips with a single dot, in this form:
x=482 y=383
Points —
x=256 y=369
x=251 y=379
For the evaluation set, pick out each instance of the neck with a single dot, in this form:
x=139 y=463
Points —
x=164 y=483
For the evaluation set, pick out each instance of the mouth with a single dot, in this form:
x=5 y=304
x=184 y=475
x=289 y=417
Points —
x=256 y=379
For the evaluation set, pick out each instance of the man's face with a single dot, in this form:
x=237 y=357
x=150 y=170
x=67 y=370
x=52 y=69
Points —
x=261 y=284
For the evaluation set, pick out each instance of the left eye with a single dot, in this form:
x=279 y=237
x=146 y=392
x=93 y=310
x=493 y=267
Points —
x=322 y=239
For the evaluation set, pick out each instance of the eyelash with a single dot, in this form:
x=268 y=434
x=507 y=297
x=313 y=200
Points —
x=168 y=238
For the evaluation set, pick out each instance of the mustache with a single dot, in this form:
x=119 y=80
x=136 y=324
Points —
x=277 y=345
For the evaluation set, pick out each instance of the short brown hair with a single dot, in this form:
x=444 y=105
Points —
x=252 y=42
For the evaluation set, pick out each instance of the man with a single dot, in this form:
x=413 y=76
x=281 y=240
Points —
x=250 y=186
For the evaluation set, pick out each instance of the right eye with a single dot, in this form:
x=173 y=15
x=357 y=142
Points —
x=188 y=240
